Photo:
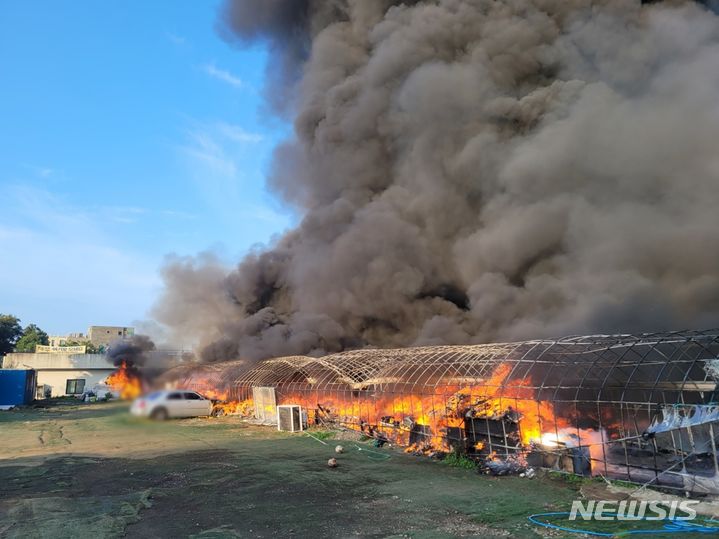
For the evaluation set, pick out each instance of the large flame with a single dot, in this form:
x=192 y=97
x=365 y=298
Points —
x=126 y=381
x=224 y=403
x=243 y=408
x=431 y=417
x=423 y=422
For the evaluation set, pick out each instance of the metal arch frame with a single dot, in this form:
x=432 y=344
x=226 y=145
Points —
x=627 y=373
x=475 y=362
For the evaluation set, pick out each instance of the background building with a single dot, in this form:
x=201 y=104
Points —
x=62 y=374
x=99 y=336
x=105 y=335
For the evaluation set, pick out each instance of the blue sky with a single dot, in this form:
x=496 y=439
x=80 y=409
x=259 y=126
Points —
x=128 y=131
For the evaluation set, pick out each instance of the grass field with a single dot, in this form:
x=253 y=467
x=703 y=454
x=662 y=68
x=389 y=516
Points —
x=91 y=470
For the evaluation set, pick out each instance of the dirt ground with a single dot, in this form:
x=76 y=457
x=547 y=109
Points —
x=91 y=470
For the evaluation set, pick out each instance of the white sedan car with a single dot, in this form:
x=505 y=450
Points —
x=172 y=403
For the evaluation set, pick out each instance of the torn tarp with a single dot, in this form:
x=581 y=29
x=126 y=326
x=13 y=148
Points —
x=684 y=415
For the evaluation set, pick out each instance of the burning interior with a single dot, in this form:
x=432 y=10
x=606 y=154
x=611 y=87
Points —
x=638 y=408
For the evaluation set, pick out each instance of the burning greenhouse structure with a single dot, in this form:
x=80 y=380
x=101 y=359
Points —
x=642 y=408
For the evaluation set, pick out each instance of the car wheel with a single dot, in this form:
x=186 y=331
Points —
x=159 y=414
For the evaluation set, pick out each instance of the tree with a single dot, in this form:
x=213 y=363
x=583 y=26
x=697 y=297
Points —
x=10 y=332
x=31 y=337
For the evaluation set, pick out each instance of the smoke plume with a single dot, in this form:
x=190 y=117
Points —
x=473 y=170
x=132 y=351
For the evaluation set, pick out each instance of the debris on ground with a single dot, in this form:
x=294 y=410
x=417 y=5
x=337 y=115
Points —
x=509 y=465
x=339 y=449
x=332 y=463
x=348 y=435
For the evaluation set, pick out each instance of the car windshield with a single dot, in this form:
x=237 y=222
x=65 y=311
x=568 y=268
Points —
x=154 y=395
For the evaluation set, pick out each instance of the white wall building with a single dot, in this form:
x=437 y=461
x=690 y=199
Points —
x=64 y=374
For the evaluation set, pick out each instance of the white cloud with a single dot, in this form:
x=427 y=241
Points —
x=216 y=148
x=223 y=163
x=63 y=269
x=124 y=214
x=178 y=214
x=238 y=134
x=40 y=171
x=175 y=39
x=205 y=150
x=223 y=75
x=269 y=216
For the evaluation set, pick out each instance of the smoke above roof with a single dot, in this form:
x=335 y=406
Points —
x=132 y=350
x=473 y=170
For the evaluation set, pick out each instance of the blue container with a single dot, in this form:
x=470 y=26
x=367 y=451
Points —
x=17 y=386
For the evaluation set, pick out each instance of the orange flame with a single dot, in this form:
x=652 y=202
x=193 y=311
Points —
x=398 y=417
x=125 y=381
x=225 y=404
x=244 y=408
x=427 y=423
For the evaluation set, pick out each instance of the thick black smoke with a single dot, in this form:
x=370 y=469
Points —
x=474 y=170
x=132 y=351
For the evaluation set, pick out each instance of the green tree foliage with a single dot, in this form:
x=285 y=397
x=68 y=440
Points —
x=31 y=337
x=10 y=332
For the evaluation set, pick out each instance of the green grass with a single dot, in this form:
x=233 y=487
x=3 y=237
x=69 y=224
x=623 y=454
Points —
x=225 y=478
x=569 y=478
x=322 y=434
x=457 y=460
